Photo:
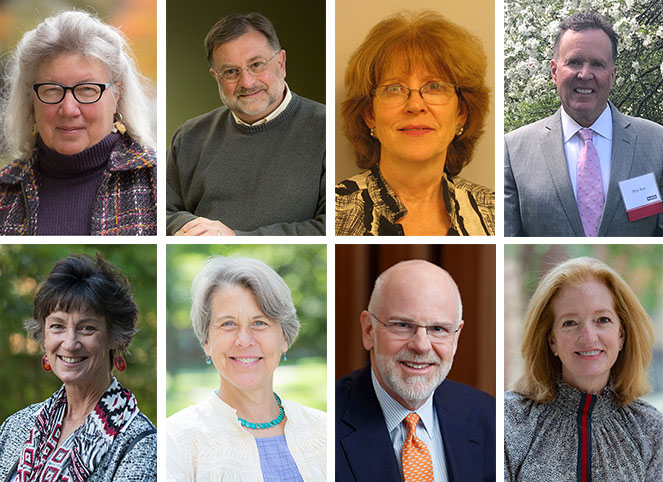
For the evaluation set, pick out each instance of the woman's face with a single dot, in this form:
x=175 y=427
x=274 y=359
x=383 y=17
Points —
x=70 y=127
x=78 y=348
x=245 y=345
x=587 y=334
x=413 y=131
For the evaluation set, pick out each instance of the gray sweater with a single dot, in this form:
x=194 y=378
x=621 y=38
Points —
x=576 y=433
x=132 y=457
x=266 y=179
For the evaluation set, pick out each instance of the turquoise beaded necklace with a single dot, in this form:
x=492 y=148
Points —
x=261 y=426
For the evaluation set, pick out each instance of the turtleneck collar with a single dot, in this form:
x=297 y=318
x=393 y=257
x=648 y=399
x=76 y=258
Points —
x=63 y=166
x=569 y=400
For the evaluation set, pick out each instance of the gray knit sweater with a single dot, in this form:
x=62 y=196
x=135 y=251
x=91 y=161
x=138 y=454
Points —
x=132 y=457
x=266 y=179
x=578 y=433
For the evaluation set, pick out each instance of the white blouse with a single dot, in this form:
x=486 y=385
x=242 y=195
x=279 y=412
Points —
x=206 y=442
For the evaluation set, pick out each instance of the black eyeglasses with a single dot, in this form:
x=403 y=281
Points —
x=84 y=93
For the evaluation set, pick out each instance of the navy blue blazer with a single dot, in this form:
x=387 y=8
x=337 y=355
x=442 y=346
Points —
x=364 y=452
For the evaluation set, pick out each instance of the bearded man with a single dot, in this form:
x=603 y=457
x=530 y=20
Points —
x=400 y=418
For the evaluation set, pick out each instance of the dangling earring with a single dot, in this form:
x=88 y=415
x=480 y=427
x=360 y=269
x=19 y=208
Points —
x=208 y=360
x=45 y=364
x=285 y=356
x=120 y=363
x=459 y=129
x=118 y=125
x=373 y=133
x=34 y=129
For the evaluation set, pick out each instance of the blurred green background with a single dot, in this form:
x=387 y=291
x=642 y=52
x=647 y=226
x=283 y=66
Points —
x=191 y=91
x=303 y=377
x=524 y=265
x=22 y=269
x=136 y=18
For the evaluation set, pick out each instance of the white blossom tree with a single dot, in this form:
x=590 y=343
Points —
x=529 y=33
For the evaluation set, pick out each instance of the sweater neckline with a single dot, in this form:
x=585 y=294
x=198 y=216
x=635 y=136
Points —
x=286 y=114
x=64 y=166
x=569 y=400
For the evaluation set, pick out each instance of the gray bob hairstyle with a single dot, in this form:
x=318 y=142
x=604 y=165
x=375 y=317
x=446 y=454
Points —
x=71 y=32
x=271 y=293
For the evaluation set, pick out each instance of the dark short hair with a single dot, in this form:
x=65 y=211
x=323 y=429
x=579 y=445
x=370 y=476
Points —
x=236 y=25
x=88 y=285
x=588 y=20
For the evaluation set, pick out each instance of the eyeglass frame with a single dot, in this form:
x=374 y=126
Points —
x=246 y=68
x=416 y=327
x=101 y=85
x=457 y=89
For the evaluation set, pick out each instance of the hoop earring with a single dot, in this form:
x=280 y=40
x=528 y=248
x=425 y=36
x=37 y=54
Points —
x=120 y=363
x=45 y=364
x=118 y=125
x=459 y=129
x=34 y=129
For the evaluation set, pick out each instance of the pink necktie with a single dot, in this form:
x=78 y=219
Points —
x=417 y=464
x=590 y=186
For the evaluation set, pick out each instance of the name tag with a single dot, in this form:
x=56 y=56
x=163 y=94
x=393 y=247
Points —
x=641 y=197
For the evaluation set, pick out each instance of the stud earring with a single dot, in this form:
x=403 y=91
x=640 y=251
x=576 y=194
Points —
x=118 y=125
x=120 y=363
x=45 y=364
x=208 y=360
x=459 y=129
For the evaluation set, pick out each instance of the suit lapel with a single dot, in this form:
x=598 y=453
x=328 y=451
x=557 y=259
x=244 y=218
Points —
x=552 y=146
x=368 y=449
x=621 y=163
x=463 y=443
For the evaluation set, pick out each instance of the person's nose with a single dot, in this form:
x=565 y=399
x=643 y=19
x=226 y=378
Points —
x=420 y=341
x=70 y=342
x=69 y=106
x=415 y=103
x=586 y=72
x=588 y=333
x=244 y=337
x=246 y=79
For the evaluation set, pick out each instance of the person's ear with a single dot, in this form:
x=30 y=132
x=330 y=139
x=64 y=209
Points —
x=366 y=330
x=553 y=71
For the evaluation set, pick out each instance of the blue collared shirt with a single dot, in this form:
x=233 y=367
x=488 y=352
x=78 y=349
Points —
x=428 y=428
x=602 y=128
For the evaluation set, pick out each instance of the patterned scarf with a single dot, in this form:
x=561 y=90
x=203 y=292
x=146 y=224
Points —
x=78 y=456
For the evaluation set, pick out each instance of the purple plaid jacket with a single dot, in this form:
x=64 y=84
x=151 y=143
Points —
x=125 y=204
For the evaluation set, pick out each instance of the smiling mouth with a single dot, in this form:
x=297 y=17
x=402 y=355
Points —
x=416 y=366
x=245 y=360
x=72 y=359
x=589 y=353
x=578 y=90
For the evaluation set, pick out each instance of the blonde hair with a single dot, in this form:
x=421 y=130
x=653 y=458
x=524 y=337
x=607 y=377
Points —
x=425 y=38
x=543 y=369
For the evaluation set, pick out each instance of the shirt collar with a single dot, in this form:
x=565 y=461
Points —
x=272 y=115
x=602 y=125
x=394 y=412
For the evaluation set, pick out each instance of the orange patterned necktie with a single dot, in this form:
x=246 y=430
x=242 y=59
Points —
x=417 y=464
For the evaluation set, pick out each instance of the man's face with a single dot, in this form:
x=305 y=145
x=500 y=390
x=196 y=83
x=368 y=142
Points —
x=584 y=73
x=251 y=97
x=410 y=370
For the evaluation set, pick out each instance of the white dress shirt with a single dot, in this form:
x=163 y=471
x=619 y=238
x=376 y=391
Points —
x=428 y=429
x=602 y=128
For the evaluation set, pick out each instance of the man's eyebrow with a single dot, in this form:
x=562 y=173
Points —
x=249 y=61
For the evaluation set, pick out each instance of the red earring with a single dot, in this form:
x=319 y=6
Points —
x=120 y=363
x=44 y=364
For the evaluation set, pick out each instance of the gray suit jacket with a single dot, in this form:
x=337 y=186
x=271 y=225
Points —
x=538 y=196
